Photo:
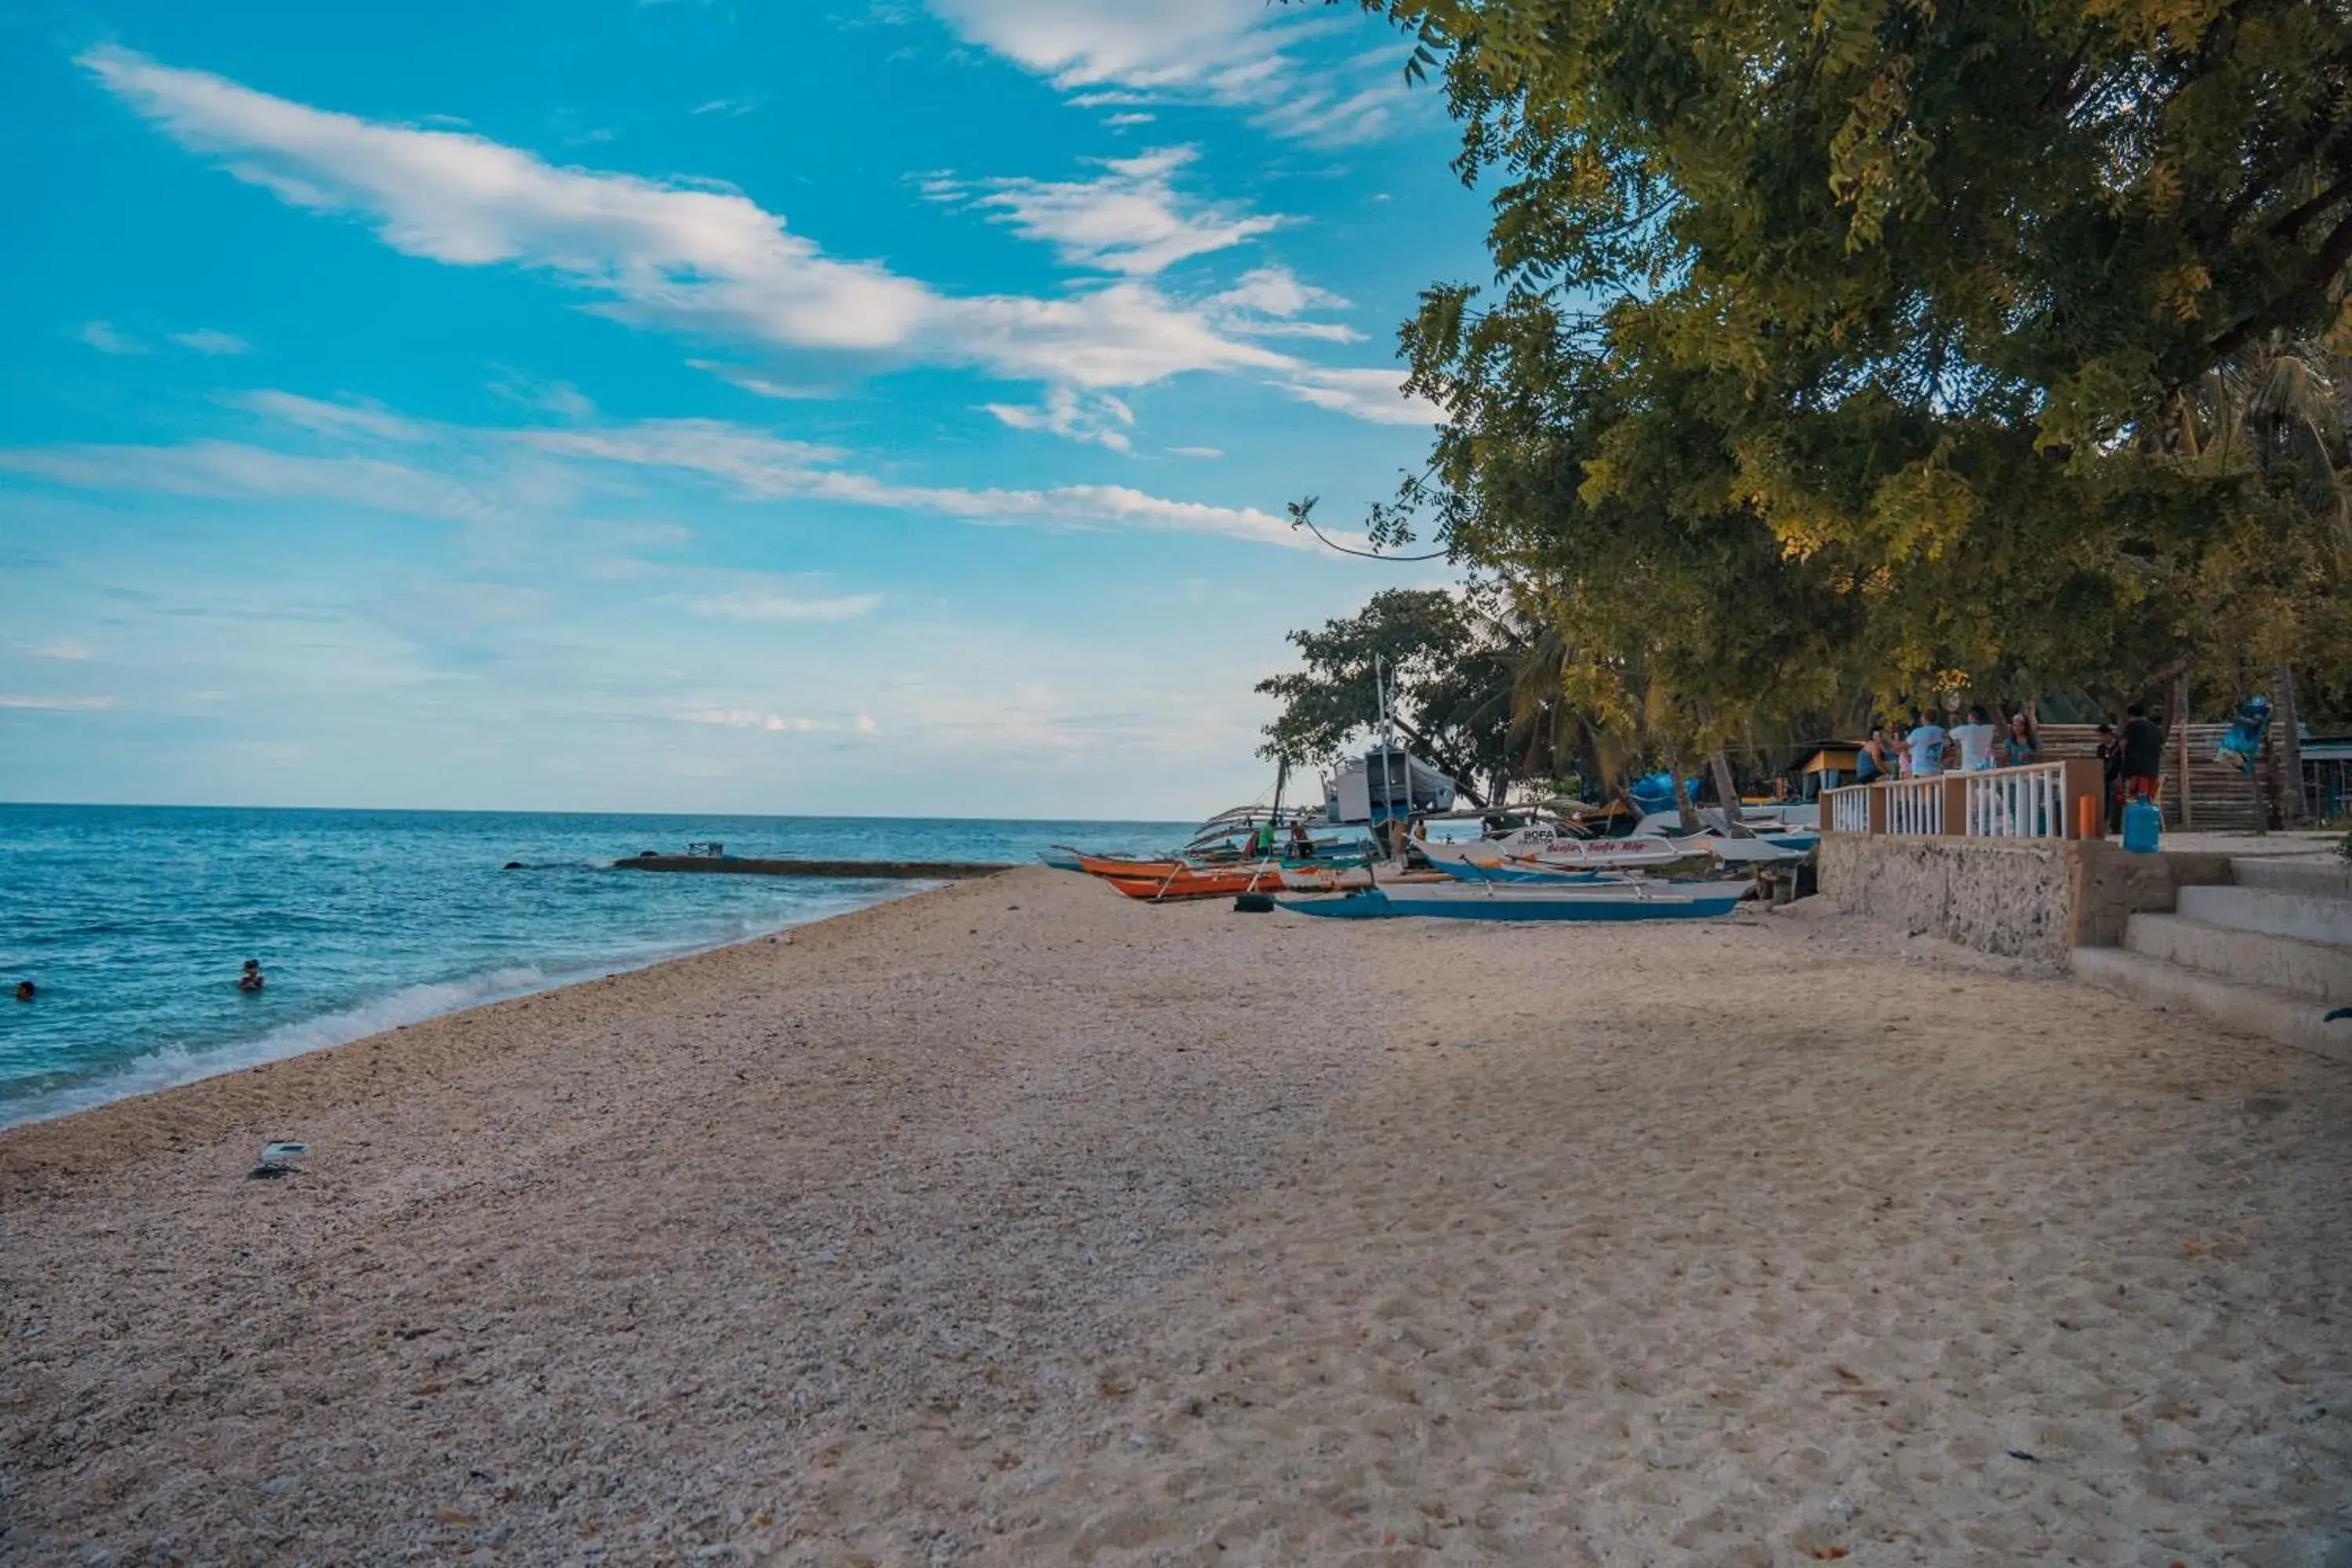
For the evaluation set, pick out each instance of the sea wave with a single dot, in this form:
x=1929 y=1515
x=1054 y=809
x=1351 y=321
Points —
x=170 y=1066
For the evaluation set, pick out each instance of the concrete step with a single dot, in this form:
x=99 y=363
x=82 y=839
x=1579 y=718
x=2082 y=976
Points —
x=2321 y=875
x=2306 y=917
x=2314 y=971
x=2289 y=1020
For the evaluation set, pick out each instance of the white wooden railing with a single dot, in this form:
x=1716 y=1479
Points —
x=1850 y=809
x=2048 y=800
x=2017 y=803
x=1915 y=806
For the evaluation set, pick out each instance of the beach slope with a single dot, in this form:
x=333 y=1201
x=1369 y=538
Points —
x=1019 y=1222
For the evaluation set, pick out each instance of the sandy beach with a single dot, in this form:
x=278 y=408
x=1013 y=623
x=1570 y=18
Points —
x=1015 y=1223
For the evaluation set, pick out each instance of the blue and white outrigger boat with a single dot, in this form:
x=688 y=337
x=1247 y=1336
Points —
x=1623 y=900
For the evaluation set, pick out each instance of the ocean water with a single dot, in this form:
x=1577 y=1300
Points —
x=133 y=920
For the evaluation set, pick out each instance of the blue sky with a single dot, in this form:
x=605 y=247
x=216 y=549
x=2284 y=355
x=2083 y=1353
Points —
x=862 y=405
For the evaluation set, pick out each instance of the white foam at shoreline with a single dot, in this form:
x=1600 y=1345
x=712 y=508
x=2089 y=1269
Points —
x=171 y=1065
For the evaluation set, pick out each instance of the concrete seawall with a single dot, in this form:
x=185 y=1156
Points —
x=2019 y=898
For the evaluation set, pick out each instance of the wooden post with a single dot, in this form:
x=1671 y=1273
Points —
x=2289 y=740
x=2178 y=715
x=1878 y=810
x=2087 y=798
x=1956 y=805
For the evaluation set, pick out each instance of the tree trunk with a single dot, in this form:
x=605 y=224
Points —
x=1726 y=789
x=1684 y=807
x=2290 y=744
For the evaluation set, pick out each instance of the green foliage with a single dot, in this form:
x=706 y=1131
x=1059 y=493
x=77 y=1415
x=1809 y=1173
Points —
x=1449 y=668
x=1849 y=345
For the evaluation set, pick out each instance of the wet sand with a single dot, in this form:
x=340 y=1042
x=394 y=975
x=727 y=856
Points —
x=1014 y=1222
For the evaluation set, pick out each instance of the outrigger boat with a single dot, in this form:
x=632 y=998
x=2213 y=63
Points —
x=1461 y=901
x=1540 y=847
x=1164 y=880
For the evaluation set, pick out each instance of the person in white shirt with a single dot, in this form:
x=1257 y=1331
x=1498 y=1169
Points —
x=1926 y=742
x=1976 y=738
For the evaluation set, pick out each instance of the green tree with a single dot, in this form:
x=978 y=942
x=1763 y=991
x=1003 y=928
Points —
x=2275 y=592
x=1448 y=666
x=1831 y=344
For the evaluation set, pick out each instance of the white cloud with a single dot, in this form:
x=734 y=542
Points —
x=762 y=467
x=750 y=381
x=495 y=476
x=1196 y=451
x=774 y=723
x=27 y=702
x=1231 y=52
x=232 y=471
x=1099 y=419
x=1120 y=121
x=752 y=461
x=333 y=418
x=65 y=649
x=1128 y=219
x=560 y=398
x=752 y=606
x=103 y=337
x=1276 y=291
x=1266 y=302
x=670 y=254
x=204 y=340
x=1376 y=396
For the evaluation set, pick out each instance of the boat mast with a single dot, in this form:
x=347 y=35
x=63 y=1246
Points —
x=1387 y=752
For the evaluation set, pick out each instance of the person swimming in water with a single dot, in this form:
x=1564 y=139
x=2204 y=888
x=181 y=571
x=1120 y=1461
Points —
x=251 y=979
x=25 y=989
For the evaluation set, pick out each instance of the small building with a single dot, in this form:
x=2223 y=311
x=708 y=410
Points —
x=1833 y=762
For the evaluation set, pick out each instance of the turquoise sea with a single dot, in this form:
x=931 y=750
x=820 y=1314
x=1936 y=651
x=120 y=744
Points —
x=133 y=920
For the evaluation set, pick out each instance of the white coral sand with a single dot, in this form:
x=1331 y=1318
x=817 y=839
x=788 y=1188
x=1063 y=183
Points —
x=1015 y=1223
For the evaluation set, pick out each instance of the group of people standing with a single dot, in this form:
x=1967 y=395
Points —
x=1924 y=749
x=2131 y=759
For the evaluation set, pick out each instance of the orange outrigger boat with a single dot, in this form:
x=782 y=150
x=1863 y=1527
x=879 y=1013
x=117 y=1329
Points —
x=1153 y=880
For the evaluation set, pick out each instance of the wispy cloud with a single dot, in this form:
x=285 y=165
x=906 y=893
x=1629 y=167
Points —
x=65 y=649
x=1099 y=419
x=206 y=341
x=764 y=468
x=1128 y=219
x=776 y=723
x=682 y=256
x=332 y=418
x=752 y=381
x=1376 y=396
x=488 y=476
x=1267 y=301
x=1239 y=53
x=557 y=397
x=234 y=472
x=754 y=605
x=107 y=339
x=32 y=703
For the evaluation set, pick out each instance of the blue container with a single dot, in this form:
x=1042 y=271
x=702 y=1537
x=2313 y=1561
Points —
x=2142 y=826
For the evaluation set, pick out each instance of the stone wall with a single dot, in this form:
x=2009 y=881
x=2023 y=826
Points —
x=2035 y=901
x=2013 y=899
